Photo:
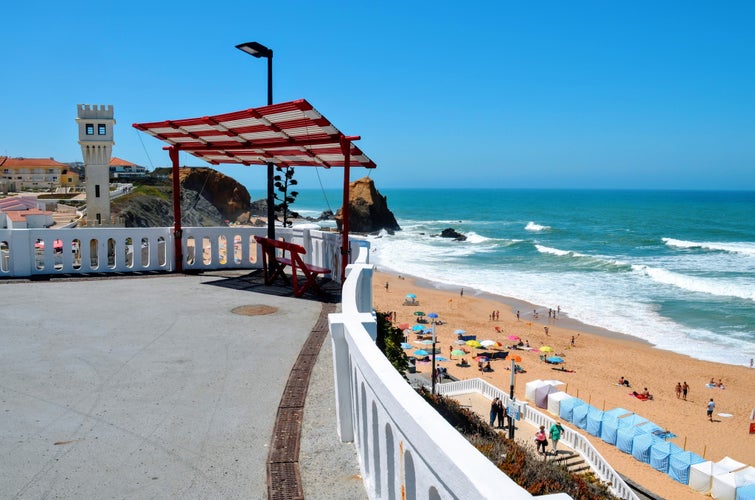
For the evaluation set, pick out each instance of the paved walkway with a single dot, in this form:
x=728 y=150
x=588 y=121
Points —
x=156 y=387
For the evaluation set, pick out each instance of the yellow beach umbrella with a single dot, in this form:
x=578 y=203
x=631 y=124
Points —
x=473 y=343
x=546 y=348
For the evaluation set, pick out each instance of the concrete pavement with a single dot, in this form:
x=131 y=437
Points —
x=154 y=387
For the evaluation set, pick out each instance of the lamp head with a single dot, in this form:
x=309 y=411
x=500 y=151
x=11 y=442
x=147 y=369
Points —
x=255 y=49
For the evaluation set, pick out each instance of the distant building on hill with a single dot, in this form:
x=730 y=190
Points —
x=19 y=174
x=124 y=170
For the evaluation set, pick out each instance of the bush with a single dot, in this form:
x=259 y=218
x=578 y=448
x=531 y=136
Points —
x=389 y=339
x=521 y=464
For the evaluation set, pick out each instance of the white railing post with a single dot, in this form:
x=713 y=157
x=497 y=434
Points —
x=341 y=379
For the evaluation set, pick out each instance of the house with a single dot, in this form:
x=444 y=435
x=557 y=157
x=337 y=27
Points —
x=122 y=169
x=24 y=212
x=18 y=174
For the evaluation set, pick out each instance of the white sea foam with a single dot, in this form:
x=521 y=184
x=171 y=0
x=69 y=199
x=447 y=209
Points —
x=745 y=248
x=554 y=251
x=618 y=307
x=532 y=226
x=710 y=286
x=473 y=237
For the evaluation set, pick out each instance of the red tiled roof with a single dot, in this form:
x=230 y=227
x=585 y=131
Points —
x=20 y=215
x=117 y=162
x=7 y=162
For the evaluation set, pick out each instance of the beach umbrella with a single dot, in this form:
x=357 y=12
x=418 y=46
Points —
x=516 y=358
x=473 y=343
x=457 y=352
x=460 y=332
x=513 y=337
x=488 y=343
x=403 y=326
x=411 y=296
x=405 y=345
x=555 y=359
x=440 y=358
x=426 y=342
x=460 y=342
x=421 y=352
x=546 y=348
x=418 y=328
x=482 y=358
x=419 y=313
x=432 y=315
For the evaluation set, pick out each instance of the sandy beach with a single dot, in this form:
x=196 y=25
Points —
x=598 y=358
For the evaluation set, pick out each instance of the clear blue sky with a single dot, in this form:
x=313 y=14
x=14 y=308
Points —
x=464 y=94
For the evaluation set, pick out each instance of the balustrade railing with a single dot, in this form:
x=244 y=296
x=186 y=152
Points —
x=405 y=448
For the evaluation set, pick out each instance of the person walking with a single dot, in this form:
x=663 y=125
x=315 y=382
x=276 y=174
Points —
x=555 y=434
x=685 y=389
x=678 y=390
x=500 y=413
x=493 y=411
x=541 y=440
x=711 y=407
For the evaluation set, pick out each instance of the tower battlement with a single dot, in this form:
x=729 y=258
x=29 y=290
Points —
x=95 y=111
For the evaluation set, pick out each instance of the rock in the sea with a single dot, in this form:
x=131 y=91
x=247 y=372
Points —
x=368 y=209
x=452 y=233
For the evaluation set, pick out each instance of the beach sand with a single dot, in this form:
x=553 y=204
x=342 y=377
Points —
x=598 y=359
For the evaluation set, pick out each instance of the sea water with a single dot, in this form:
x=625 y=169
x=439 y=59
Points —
x=676 y=268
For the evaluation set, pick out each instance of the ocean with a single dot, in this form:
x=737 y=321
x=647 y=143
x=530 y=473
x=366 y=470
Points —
x=676 y=268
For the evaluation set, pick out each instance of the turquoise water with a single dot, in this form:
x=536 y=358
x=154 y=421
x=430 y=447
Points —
x=676 y=268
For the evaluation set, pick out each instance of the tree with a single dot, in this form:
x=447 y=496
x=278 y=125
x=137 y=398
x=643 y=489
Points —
x=389 y=339
x=285 y=198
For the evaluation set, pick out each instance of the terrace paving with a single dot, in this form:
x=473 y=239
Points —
x=153 y=387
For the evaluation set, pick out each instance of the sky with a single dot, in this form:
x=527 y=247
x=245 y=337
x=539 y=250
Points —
x=499 y=94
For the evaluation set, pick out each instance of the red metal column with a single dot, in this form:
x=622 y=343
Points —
x=346 y=150
x=177 y=231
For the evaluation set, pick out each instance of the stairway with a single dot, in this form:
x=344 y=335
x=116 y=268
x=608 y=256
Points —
x=570 y=461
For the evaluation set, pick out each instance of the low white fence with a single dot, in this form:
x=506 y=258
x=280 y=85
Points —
x=405 y=448
x=33 y=252
x=573 y=439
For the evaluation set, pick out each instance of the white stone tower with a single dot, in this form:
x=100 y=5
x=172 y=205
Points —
x=96 y=141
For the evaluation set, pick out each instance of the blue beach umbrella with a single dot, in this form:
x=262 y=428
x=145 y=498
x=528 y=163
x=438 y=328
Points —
x=555 y=359
x=421 y=352
x=405 y=345
x=432 y=315
x=411 y=296
x=418 y=328
x=460 y=332
x=440 y=358
x=426 y=342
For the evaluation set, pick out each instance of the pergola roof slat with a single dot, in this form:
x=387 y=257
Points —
x=288 y=134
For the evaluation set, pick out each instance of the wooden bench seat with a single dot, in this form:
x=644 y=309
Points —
x=274 y=265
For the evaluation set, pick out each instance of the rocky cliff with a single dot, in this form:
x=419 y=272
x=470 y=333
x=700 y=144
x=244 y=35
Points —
x=369 y=211
x=208 y=198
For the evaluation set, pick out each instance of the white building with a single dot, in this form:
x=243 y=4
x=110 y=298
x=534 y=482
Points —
x=96 y=141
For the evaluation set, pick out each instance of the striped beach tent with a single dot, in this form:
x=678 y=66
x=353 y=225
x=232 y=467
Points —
x=616 y=418
x=660 y=454
x=594 y=421
x=579 y=415
x=679 y=465
x=641 y=445
x=566 y=408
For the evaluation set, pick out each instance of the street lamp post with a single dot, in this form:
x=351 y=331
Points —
x=434 y=375
x=511 y=401
x=258 y=50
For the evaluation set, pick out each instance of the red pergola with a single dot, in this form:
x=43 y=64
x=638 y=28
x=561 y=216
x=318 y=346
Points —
x=287 y=134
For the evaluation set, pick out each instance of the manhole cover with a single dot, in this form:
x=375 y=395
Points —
x=254 y=310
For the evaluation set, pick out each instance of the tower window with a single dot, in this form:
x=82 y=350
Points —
x=101 y=129
x=97 y=191
x=90 y=128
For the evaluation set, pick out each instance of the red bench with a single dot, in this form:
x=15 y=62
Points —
x=273 y=265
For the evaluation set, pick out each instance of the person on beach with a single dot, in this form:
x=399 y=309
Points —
x=685 y=389
x=461 y=293
x=555 y=434
x=711 y=407
x=541 y=440
x=572 y=340
x=678 y=390
x=493 y=411
x=500 y=413
x=517 y=318
x=386 y=286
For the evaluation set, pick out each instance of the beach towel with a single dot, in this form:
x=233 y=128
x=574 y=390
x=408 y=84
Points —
x=639 y=396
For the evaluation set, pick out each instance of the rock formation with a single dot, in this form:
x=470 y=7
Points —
x=208 y=198
x=368 y=209
x=452 y=233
